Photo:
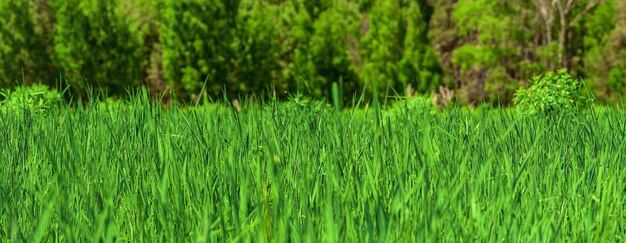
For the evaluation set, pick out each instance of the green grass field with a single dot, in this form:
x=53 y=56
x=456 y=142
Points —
x=307 y=173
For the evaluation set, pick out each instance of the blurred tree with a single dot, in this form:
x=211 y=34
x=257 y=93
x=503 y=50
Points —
x=570 y=12
x=397 y=48
x=328 y=57
x=94 y=46
x=295 y=28
x=419 y=65
x=198 y=39
x=25 y=43
x=487 y=48
x=443 y=35
x=490 y=50
x=256 y=65
x=482 y=49
x=383 y=46
x=144 y=19
x=605 y=60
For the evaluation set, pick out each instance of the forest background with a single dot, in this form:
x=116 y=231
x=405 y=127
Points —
x=481 y=50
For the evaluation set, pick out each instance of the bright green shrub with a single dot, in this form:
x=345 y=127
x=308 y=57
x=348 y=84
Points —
x=300 y=102
x=411 y=108
x=316 y=7
x=617 y=79
x=94 y=46
x=36 y=98
x=551 y=93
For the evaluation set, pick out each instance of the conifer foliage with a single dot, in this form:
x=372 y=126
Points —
x=482 y=50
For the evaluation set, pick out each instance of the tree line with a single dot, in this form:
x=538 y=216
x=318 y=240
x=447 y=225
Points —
x=483 y=50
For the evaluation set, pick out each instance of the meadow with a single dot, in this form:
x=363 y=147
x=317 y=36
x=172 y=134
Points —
x=308 y=172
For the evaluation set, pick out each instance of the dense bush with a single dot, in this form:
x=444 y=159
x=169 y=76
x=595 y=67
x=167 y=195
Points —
x=328 y=55
x=198 y=39
x=25 y=44
x=397 y=52
x=605 y=60
x=552 y=93
x=411 y=108
x=256 y=66
x=95 y=47
x=36 y=98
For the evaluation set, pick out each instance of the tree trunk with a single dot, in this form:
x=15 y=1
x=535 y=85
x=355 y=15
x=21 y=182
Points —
x=562 y=40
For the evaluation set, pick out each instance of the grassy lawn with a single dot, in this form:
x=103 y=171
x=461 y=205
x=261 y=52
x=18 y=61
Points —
x=304 y=172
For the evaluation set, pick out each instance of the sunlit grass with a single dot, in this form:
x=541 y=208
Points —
x=304 y=172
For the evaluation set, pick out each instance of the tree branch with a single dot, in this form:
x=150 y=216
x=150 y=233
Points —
x=586 y=10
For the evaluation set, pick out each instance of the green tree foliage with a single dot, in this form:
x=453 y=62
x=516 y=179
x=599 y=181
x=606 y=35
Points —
x=482 y=49
x=94 y=46
x=488 y=48
x=397 y=52
x=295 y=31
x=256 y=64
x=25 y=53
x=489 y=56
x=331 y=50
x=316 y=7
x=419 y=65
x=606 y=56
x=197 y=38
x=383 y=45
x=443 y=35
x=144 y=19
